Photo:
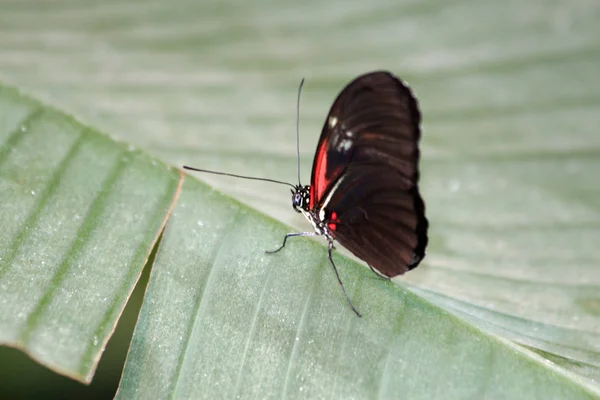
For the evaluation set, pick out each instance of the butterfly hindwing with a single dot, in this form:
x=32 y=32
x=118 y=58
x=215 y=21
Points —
x=377 y=218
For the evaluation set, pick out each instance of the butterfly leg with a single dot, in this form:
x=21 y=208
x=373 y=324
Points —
x=340 y=281
x=379 y=274
x=291 y=235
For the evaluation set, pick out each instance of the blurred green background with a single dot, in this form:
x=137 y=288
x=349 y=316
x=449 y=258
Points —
x=511 y=153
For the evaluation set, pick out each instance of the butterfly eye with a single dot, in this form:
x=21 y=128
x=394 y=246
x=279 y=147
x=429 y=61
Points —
x=296 y=201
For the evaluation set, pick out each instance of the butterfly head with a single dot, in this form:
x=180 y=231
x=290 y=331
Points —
x=301 y=198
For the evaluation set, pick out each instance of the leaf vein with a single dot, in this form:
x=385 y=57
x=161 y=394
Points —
x=296 y=345
x=17 y=134
x=252 y=330
x=214 y=256
x=88 y=224
x=32 y=219
x=141 y=255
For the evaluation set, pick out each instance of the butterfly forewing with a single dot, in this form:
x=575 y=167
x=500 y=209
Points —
x=365 y=175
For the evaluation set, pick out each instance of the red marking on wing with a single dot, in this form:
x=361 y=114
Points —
x=334 y=220
x=320 y=184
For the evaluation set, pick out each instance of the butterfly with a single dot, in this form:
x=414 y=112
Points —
x=364 y=190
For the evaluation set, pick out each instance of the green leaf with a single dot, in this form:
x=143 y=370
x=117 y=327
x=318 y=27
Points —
x=221 y=319
x=80 y=214
x=509 y=93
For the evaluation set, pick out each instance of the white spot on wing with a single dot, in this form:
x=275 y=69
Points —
x=332 y=122
x=344 y=146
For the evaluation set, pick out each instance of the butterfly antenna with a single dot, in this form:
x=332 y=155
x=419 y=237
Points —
x=238 y=176
x=298 y=128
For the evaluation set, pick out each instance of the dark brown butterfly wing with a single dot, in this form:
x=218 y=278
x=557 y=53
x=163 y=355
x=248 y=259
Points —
x=379 y=217
x=365 y=174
